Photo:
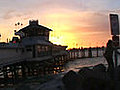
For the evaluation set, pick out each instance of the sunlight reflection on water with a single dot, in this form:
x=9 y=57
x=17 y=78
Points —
x=85 y=62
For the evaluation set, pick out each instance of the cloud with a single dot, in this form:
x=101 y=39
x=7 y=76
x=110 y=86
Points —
x=12 y=13
x=83 y=19
x=8 y=14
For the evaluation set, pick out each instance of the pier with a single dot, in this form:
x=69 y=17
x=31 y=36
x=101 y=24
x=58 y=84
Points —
x=16 y=71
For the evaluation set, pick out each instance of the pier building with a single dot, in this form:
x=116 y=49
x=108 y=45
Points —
x=30 y=54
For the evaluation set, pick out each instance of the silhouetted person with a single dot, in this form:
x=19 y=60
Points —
x=109 y=56
x=97 y=50
x=82 y=52
x=90 y=52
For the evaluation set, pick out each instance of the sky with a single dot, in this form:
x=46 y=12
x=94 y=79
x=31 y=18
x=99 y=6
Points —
x=75 y=23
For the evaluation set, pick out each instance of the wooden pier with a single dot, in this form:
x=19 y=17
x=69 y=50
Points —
x=16 y=72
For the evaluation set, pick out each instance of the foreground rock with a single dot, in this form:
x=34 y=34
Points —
x=91 y=79
x=71 y=80
x=100 y=68
x=23 y=87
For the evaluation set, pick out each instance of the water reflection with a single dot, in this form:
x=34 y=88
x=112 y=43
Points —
x=85 y=62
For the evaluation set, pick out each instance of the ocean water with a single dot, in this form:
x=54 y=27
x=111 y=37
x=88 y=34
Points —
x=88 y=62
x=85 y=62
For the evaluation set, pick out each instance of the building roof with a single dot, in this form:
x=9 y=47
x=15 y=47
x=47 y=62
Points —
x=10 y=45
x=35 y=41
x=32 y=25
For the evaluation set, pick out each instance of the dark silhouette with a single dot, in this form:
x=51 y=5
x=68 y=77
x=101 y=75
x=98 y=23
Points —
x=109 y=56
x=87 y=78
x=82 y=52
x=90 y=52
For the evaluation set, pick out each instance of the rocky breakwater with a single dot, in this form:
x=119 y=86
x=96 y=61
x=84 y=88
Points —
x=96 y=78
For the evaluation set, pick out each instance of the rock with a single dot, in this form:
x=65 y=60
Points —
x=71 y=80
x=84 y=72
x=90 y=79
x=99 y=68
x=23 y=87
x=94 y=80
x=97 y=84
x=91 y=73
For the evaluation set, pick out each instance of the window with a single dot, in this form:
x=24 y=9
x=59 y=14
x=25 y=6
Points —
x=38 y=48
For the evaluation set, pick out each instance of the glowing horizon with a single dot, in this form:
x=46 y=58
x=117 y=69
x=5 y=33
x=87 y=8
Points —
x=66 y=33
x=74 y=23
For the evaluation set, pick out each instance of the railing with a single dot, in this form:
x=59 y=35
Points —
x=86 y=53
x=44 y=53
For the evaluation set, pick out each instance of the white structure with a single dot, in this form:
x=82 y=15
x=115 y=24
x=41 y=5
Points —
x=33 y=44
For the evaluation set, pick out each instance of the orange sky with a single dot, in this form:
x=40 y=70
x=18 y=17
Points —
x=74 y=24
